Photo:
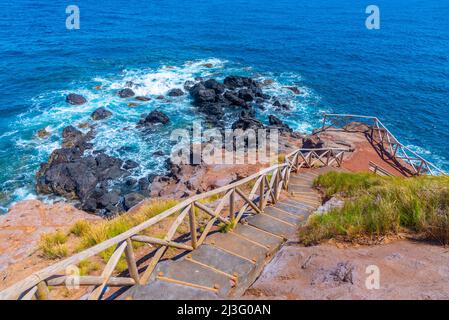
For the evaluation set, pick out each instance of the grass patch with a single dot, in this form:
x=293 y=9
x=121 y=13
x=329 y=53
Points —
x=90 y=233
x=226 y=227
x=377 y=206
x=53 y=246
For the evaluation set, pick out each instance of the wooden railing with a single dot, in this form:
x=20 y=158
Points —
x=268 y=184
x=376 y=169
x=385 y=143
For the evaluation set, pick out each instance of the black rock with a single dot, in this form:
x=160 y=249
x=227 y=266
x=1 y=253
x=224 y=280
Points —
x=175 y=93
x=154 y=117
x=276 y=122
x=281 y=106
x=234 y=82
x=234 y=99
x=130 y=164
x=247 y=123
x=126 y=93
x=100 y=114
x=74 y=138
x=213 y=84
x=75 y=99
x=312 y=142
x=201 y=94
x=132 y=199
x=188 y=85
x=246 y=94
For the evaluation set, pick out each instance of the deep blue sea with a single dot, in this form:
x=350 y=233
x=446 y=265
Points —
x=399 y=73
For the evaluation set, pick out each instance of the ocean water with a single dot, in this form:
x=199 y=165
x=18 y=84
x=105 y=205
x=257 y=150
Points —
x=399 y=73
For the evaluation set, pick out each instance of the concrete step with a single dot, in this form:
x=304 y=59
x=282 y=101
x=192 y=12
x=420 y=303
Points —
x=162 y=290
x=272 y=225
x=291 y=218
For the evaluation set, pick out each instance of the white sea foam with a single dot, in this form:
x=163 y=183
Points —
x=50 y=111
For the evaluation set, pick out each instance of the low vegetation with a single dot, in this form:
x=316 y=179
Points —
x=53 y=246
x=377 y=206
x=85 y=234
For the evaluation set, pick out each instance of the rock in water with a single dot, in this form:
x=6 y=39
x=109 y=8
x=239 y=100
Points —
x=141 y=98
x=295 y=90
x=175 y=93
x=43 y=133
x=73 y=138
x=75 y=99
x=215 y=85
x=154 y=117
x=100 y=114
x=233 y=99
x=201 y=94
x=126 y=93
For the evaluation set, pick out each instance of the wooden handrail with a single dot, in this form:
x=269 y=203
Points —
x=269 y=183
x=386 y=141
x=378 y=170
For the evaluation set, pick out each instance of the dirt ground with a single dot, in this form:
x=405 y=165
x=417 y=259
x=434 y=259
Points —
x=407 y=270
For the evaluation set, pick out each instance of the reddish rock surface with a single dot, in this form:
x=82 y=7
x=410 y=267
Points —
x=408 y=270
x=26 y=221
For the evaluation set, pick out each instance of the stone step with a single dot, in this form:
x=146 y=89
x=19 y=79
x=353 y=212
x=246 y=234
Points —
x=311 y=202
x=195 y=275
x=301 y=178
x=271 y=241
x=268 y=223
x=292 y=209
x=234 y=245
x=298 y=188
x=162 y=290
x=298 y=203
x=291 y=218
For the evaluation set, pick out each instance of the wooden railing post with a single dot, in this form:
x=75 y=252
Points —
x=42 y=291
x=131 y=261
x=261 y=194
x=276 y=186
x=231 y=205
x=192 y=221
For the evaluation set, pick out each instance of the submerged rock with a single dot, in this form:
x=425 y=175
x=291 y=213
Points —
x=75 y=99
x=126 y=93
x=100 y=114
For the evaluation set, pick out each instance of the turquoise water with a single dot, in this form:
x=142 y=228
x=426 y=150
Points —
x=399 y=73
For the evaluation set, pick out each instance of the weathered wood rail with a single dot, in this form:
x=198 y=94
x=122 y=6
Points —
x=268 y=184
x=385 y=142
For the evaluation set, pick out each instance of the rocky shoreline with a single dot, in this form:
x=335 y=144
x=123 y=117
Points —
x=104 y=185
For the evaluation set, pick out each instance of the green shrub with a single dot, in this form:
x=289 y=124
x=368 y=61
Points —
x=377 y=206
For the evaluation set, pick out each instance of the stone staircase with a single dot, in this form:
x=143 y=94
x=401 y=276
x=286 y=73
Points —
x=228 y=263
